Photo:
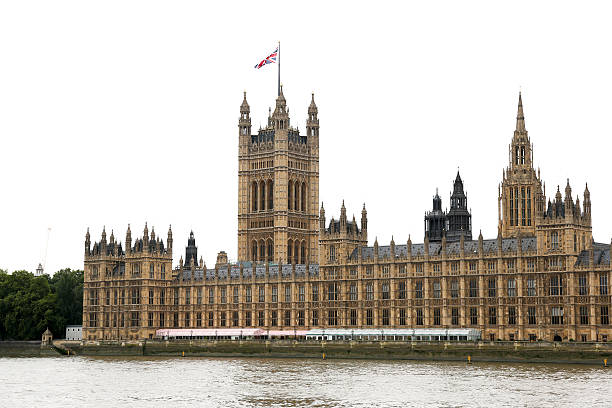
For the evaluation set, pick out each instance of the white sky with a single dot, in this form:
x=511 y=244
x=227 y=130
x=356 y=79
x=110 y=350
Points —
x=122 y=112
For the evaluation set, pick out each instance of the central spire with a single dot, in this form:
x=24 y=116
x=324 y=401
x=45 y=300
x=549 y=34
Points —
x=520 y=117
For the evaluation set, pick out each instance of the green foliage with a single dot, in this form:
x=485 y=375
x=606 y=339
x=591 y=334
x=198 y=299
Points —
x=29 y=304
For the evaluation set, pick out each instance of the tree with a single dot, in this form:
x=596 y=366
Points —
x=29 y=304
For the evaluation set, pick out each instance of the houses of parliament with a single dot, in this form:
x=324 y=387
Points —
x=541 y=278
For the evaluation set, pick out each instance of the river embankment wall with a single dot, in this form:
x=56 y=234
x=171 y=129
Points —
x=25 y=349
x=583 y=353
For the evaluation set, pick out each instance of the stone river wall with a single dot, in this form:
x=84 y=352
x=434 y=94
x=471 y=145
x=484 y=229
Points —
x=584 y=353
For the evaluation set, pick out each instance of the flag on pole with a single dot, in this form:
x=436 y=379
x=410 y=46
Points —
x=269 y=59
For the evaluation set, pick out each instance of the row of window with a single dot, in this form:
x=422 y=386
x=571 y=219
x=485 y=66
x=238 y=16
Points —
x=333 y=291
x=333 y=317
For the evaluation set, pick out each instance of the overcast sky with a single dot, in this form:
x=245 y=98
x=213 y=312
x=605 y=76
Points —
x=122 y=112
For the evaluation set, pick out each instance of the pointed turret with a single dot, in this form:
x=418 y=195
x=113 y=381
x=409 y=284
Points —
x=280 y=116
x=145 y=235
x=128 y=239
x=587 y=201
x=112 y=237
x=191 y=251
x=103 y=235
x=364 y=219
x=322 y=218
x=392 y=247
x=244 y=123
x=152 y=233
x=343 y=217
x=87 y=243
x=170 y=240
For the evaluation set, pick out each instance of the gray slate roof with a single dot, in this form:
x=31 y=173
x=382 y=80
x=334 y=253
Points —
x=453 y=248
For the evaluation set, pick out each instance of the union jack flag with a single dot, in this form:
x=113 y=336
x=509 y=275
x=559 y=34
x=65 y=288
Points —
x=269 y=59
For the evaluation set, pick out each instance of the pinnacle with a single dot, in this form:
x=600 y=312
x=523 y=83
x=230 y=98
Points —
x=520 y=117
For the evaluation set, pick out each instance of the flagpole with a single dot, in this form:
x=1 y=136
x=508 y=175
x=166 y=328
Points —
x=279 y=68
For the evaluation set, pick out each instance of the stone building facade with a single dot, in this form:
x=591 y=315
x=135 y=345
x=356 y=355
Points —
x=542 y=277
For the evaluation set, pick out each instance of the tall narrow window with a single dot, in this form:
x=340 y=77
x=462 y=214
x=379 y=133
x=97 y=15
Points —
x=516 y=206
x=531 y=315
x=523 y=218
x=522 y=154
x=529 y=206
x=270 y=189
x=511 y=206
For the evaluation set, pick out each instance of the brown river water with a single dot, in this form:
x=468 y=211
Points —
x=253 y=382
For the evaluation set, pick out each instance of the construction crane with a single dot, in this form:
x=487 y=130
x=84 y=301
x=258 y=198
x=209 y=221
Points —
x=41 y=266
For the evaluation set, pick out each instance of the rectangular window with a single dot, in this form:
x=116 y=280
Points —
x=385 y=291
x=135 y=321
x=556 y=315
x=235 y=296
x=115 y=297
x=511 y=315
x=248 y=294
x=556 y=285
x=402 y=269
x=151 y=298
x=223 y=319
x=274 y=318
x=151 y=271
x=584 y=315
x=211 y=319
x=162 y=320
x=353 y=291
x=315 y=317
x=385 y=317
x=492 y=287
x=261 y=322
x=199 y=319
x=369 y=291
x=332 y=317
x=437 y=290
x=401 y=294
x=530 y=265
x=436 y=316
x=531 y=315
x=235 y=319
x=353 y=317
x=288 y=292
x=332 y=292
x=93 y=319
x=511 y=287
x=187 y=320
x=369 y=317
x=531 y=287
x=248 y=319
x=187 y=296
x=455 y=316
x=473 y=287
x=604 y=317
x=582 y=285
x=418 y=289
x=419 y=316
x=472 y=266
x=492 y=316
x=454 y=288
x=300 y=318
x=211 y=296
x=402 y=317
x=511 y=206
x=176 y=296
x=603 y=284
x=315 y=292
x=175 y=320
x=492 y=266
x=473 y=316
x=262 y=293
x=385 y=270
x=163 y=271
x=516 y=206
x=301 y=293
x=199 y=295
x=554 y=239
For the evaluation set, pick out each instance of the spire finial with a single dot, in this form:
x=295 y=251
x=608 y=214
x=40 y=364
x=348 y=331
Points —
x=520 y=117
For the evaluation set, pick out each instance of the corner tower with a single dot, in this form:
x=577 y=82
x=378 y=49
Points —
x=278 y=188
x=521 y=199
